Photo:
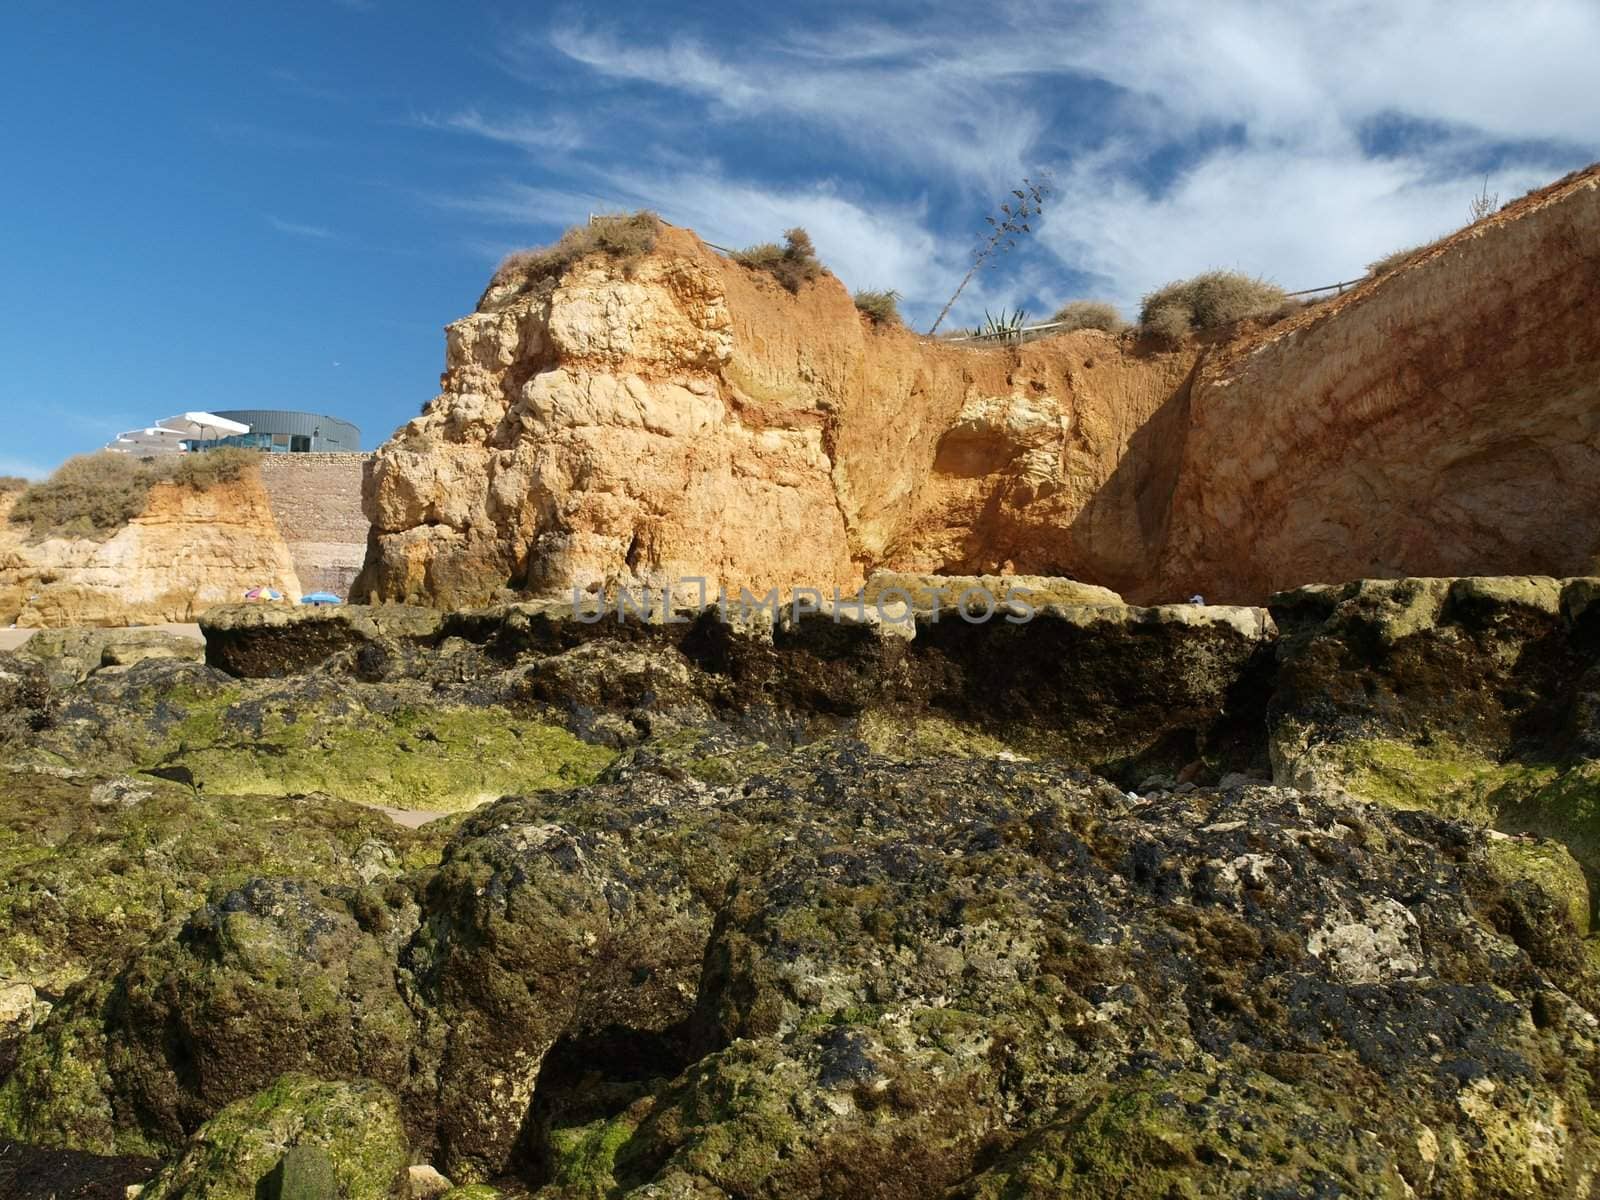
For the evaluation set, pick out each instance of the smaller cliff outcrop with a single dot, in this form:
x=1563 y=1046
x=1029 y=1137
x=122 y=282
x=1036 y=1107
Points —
x=189 y=548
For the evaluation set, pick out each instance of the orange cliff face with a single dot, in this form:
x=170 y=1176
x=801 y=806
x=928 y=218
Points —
x=1442 y=419
x=683 y=416
x=189 y=550
x=687 y=417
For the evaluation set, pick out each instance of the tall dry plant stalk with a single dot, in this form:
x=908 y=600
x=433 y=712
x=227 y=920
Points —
x=1483 y=203
x=1013 y=218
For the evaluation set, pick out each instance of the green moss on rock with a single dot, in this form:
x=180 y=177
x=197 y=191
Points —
x=1442 y=777
x=1156 y=1138
x=584 y=1157
x=1537 y=801
x=1548 y=865
x=278 y=975
x=59 y=1092
x=927 y=734
x=357 y=1125
x=90 y=865
x=432 y=759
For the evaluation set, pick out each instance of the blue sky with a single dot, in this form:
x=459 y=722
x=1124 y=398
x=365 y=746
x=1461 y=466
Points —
x=232 y=206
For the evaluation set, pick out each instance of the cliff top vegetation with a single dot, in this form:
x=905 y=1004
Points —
x=94 y=495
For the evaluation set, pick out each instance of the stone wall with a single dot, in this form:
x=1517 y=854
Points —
x=316 y=499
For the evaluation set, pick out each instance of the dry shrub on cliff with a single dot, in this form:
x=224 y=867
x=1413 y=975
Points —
x=12 y=483
x=89 y=494
x=1089 y=314
x=1390 y=261
x=96 y=494
x=1207 y=301
x=202 y=471
x=792 y=264
x=882 y=306
x=622 y=236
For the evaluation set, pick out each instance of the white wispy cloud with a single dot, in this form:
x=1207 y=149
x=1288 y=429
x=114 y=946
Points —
x=557 y=131
x=1297 y=142
x=299 y=229
x=1316 y=221
x=934 y=112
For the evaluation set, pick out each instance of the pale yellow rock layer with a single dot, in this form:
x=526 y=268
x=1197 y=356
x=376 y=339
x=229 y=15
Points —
x=188 y=551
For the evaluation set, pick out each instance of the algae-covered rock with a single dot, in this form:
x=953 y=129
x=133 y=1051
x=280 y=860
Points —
x=1491 y=665
x=257 y=641
x=28 y=701
x=1548 y=865
x=288 y=1140
x=559 y=918
x=274 y=976
x=90 y=866
x=436 y=758
x=400 y=744
x=922 y=971
x=750 y=955
x=1246 y=1134
x=69 y=656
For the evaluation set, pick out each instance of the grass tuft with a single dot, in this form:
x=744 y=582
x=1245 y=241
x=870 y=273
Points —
x=792 y=264
x=1089 y=314
x=1207 y=301
x=881 y=306
x=620 y=236
x=1397 y=259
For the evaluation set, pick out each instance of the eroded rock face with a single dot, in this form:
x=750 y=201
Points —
x=1116 y=687
x=191 y=549
x=1442 y=419
x=684 y=416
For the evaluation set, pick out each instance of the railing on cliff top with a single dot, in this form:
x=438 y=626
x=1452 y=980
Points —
x=1024 y=333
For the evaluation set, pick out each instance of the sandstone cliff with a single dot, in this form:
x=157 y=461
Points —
x=190 y=549
x=1441 y=419
x=688 y=417
x=682 y=415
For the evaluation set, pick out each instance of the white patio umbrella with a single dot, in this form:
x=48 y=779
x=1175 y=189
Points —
x=202 y=425
x=150 y=440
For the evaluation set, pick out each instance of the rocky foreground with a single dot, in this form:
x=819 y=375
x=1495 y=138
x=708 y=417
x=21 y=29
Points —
x=1186 y=901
